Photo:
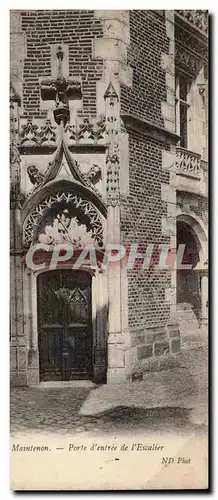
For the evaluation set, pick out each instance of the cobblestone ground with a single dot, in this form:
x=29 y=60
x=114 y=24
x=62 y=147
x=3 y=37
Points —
x=57 y=410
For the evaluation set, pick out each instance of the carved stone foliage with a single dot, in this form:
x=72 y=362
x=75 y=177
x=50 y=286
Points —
x=61 y=217
x=92 y=177
x=15 y=195
x=112 y=154
x=34 y=175
x=80 y=133
x=94 y=174
x=188 y=41
x=33 y=135
x=198 y=18
x=48 y=133
x=66 y=229
x=86 y=132
x=187 y=60
x=112 y=162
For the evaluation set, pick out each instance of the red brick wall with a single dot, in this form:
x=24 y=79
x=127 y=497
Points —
x=141 y=222
x=142 y=213
x=77 y=28
x=148 y=41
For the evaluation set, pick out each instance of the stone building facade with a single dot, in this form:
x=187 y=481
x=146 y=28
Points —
x=108 y=145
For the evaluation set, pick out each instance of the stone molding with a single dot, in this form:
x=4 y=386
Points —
x=134 y=123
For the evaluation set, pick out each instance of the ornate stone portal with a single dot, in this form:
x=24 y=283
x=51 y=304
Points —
x=64 y=201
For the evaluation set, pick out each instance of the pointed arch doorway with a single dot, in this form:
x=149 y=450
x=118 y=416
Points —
x=67 y=331
x=65 y=335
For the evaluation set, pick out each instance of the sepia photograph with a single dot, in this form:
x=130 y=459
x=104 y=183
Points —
x=109 y=249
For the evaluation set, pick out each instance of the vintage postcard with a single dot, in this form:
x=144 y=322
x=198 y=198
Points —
x=109 y=249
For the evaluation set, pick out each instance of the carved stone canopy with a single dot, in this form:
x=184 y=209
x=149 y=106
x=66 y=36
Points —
x=86 y=181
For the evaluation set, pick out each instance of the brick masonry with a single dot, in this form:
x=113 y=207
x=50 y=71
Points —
x=135 y=51
x=78 y=29
x=148 y=41
x=141 y=222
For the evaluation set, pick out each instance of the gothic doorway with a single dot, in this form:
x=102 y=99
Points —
x=188 y=281
x=65 y=325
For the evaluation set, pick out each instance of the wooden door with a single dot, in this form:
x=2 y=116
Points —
x=65 y=325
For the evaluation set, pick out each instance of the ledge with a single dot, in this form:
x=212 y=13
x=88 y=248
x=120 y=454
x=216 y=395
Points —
x=133 y=122
x=192 y=28
x=73 y=148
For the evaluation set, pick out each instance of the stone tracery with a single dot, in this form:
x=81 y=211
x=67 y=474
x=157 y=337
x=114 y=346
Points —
x=83 y=229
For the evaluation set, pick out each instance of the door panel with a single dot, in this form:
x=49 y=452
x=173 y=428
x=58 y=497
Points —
x=79 y=352
x=50 y=349
x=65 y=325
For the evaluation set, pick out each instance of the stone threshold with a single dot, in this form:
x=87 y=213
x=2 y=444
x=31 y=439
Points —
x=64 y=383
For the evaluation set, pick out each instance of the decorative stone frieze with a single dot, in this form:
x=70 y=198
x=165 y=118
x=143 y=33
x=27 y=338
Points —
x=33 y=135
x=185 y=59
x=191 y=48
x=198 y=18
x=80 y=133
x=187 y=40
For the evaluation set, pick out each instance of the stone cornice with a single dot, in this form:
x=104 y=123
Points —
x=136 y=124
x=75 y=149
x=191 y=27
